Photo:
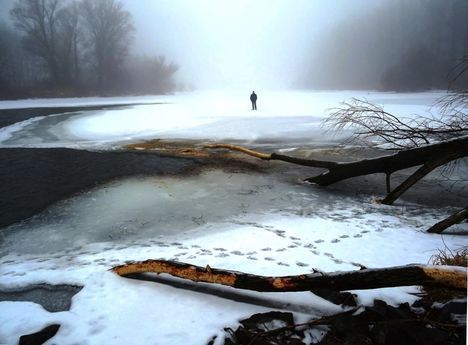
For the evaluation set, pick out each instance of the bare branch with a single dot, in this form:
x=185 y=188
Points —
x=371 y=122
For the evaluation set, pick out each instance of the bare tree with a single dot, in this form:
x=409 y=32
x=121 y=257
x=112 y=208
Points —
x=109 y=31
x=37 y=19
x=370 y=121
x=68 y=41
x=151 y=74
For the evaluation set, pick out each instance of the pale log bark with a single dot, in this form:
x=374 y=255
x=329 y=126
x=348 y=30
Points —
x=452 y=277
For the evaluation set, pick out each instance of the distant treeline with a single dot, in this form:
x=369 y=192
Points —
x=76 y=48
x=401 y=45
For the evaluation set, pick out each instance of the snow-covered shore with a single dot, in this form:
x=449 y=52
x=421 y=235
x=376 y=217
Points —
x=264 y=224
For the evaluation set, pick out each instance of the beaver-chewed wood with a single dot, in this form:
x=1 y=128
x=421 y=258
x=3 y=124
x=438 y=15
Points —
x=427 y=275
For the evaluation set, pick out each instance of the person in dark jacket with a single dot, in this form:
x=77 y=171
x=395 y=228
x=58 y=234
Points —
x=253 y=99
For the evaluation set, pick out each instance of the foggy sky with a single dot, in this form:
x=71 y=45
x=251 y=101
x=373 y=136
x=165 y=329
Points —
x=236 y=43
x=249 y=44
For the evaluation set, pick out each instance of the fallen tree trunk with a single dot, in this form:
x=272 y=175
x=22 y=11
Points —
x=446 y=276
x=416 y=176
x=429 y=157
x=449 y=221
x=451 y=149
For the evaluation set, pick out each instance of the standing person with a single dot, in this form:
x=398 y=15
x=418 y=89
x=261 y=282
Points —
x=253 y=99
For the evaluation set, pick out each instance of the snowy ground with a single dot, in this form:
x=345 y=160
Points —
x=256 y=223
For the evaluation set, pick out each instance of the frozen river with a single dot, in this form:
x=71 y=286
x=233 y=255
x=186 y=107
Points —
x=261 y=221
x=291 y=118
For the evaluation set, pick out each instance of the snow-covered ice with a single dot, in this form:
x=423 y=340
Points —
x=253 y=222
x=286 y=116
x=260 y=228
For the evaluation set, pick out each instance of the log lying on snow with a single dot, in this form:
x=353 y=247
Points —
x=446 y=276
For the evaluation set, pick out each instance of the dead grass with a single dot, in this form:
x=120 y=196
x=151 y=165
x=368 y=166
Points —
x=171 y=148
x=448 y=257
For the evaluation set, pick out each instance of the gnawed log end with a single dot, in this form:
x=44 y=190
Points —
x=447 y=276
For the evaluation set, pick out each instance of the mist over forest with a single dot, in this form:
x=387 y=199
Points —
x=400 y=45
x=111 y=47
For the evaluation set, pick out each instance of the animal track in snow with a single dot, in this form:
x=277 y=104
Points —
x=301 y=264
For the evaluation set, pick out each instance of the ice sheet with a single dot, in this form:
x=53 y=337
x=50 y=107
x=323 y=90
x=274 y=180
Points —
x=290 y=116
x=232 y=221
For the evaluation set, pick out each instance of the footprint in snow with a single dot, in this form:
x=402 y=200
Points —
x=294 y=238
x=328 y=254
x=269 y=259
x=309 y=245
x=251 y=258
x=335 y=240
x=357 y=235
x=301 y=264
x=344 y=236
x=192 y=257
x=292 y=246
x=315 y=252
x=221 y=255
x=338 y=261
x=220 y=249
x=281 y=250
x=237 y=252
x=251 y=253
x=282 y=264
x=195 y=246
x=364 y=231
x=319 y=241
x=267 y=249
